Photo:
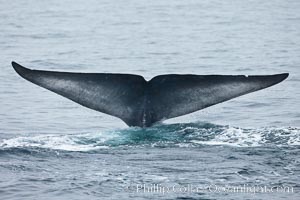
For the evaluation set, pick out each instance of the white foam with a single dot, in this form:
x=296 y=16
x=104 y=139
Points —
x=221 y=135
x=59 y=142
x=254 y=137
x=235 y=137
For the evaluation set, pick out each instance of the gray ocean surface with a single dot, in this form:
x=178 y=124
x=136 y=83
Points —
x=53 y=148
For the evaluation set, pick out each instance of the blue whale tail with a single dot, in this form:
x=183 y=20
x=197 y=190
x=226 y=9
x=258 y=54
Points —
x=142 y=103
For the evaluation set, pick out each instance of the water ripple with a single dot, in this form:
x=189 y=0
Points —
x=163 y=135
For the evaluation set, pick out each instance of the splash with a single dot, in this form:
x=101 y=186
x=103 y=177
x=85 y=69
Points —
x=174 y=135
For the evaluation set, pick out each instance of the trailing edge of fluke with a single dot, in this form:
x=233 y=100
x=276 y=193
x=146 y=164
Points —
x=142 y=103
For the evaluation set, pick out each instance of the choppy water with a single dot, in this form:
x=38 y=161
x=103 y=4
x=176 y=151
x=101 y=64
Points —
x=52 y=148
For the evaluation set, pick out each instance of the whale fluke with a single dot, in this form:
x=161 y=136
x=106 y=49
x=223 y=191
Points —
x=142 y=103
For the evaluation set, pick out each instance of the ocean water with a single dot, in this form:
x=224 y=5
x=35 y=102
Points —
x=246 y=148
